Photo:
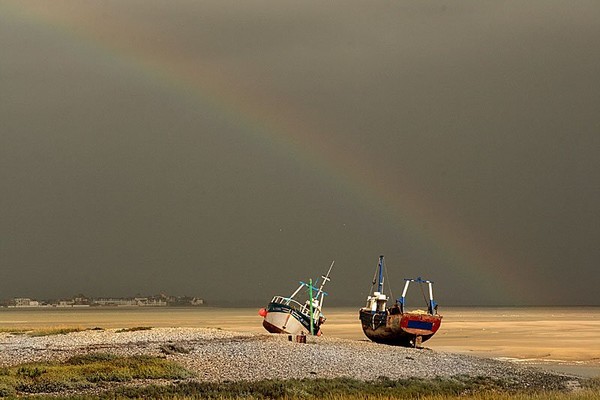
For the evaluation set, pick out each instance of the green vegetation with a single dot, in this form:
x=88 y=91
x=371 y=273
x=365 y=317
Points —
x=14 y=331
x=461 y=388
x=54 y=331
x=479 y=396
x=46 y=331
x=85 y=372
x=172 y=348
x=106 y=376
x=339 y=389
x=592 y=384
x=134 y=329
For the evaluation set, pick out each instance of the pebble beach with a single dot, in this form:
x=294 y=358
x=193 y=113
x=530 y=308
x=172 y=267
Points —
x=218 y=355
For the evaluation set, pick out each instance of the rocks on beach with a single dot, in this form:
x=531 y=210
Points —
x=217 y=355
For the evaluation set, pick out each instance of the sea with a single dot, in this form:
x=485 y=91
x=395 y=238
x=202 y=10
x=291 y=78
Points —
x=561 y=339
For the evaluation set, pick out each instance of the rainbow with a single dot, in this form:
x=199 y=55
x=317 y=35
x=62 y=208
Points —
x=283 y=131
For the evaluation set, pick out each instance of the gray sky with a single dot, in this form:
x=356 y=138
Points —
x=229 y=149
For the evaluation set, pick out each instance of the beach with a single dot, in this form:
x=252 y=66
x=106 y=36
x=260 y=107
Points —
x=214 y=355
x=561 y=340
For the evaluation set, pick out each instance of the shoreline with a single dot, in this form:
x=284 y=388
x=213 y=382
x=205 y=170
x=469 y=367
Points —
x=539 y=337
x=586 y=369
x=215 y=355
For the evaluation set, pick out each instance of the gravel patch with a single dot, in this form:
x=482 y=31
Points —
x=216 y=355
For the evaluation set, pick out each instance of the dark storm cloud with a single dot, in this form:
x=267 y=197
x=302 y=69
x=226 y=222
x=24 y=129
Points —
x=114 y=182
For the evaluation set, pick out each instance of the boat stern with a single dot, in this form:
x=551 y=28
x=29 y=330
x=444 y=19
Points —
x=418 y=324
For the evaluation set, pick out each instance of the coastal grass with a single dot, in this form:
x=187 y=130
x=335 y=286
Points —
x=458 y=388
x=85 y=372
x=63 y=330
x=173 y=348
x=55 y=331
x=46 y=331
x=134 y=329
x=582 y=395
x=106 y=376
x=586 y=395
x=14 y=331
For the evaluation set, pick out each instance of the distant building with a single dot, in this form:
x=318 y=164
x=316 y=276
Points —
x=131 y=302
x=72 y=303
x=114 y=302
x=25 y=302
x=197 y=302
x=80 y=300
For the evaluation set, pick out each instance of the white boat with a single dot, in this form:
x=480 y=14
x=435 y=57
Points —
x=290 y=316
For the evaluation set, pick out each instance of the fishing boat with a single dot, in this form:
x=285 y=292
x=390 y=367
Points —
x=396 y=325
x=291 y=316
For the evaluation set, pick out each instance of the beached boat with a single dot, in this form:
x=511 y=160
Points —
x=395 y=325
x=288 y=315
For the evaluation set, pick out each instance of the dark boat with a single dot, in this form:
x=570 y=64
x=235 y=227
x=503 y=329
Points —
x=395 y=325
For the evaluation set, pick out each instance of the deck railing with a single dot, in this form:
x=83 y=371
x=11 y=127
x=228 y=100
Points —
x=302 y=308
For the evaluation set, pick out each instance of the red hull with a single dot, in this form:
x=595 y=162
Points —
x=407 y=329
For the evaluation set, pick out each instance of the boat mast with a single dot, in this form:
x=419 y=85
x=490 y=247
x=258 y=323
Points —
x=380 y=281
x=320 y=291
x=312 y=322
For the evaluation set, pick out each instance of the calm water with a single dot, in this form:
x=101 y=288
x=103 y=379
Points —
x=563 y=338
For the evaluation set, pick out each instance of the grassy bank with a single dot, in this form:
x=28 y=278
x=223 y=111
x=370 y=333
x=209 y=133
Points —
x=339 y=389
x=82 y=373
x=48 y=331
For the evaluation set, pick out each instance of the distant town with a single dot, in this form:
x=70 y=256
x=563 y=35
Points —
x=161 y=300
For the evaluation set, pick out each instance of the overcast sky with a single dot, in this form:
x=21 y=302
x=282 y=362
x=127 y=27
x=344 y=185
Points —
x=227 y=150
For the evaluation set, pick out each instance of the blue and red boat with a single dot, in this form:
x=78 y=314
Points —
x=396 y=325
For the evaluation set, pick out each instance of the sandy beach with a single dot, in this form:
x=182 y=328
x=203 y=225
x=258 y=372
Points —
x=563 y=340
x=214 y=355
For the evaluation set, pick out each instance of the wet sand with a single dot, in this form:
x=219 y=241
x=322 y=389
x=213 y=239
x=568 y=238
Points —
x=565 y=339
